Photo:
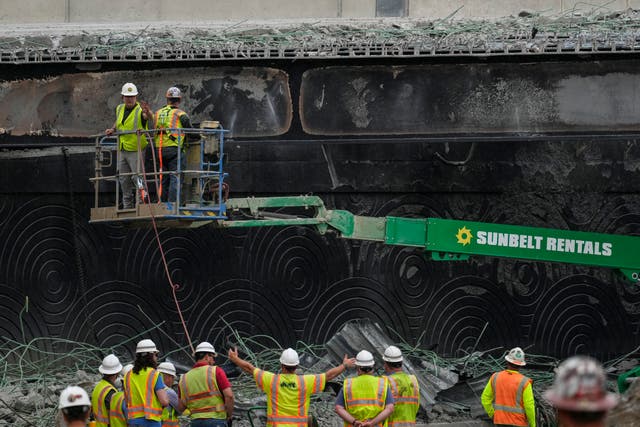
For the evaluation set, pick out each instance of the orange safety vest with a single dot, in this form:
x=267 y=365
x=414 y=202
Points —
x=139 y=391
x=199 y=390
x=116 y=416
x=98 y=404
x=288 y=396
x=508 y=388
x=365 y=397
x=406 y=395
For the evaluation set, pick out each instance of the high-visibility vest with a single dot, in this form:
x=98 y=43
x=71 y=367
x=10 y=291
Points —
x=170 y=416
x=508 y=388
x=116 y=415
x=129 y=142
x=288 y=396
x=139 y=391
x=98 y=404
x=406 y=396
x=365 y=396
x=169 y=118
x=199 y=389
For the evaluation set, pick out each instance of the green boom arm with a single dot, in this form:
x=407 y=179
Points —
x=449 y=239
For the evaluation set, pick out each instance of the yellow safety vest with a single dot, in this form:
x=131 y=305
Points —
x=139 y=391
x=365 y=396
x=199 y=390
x=129 y=142
x=98 y=404
x=169 y=118
x=406 y=395
x=116 y=416
x=170 y=416
x=288 y=396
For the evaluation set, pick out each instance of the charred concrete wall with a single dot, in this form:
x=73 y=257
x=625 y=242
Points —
x=474 y=153
x=81 y=11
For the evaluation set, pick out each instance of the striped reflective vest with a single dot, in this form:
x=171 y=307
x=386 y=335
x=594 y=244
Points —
x=139 y=391
x=98 y=404
x=116 y=415
x=288 y=396
x=406 y=394
x=199 y=390
x=365 y=396
x=508 y=387
x=169 y=118
x=129 y=142
x=170 y=415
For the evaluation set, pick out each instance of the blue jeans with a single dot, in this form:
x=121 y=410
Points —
x=141 y=422
x=208 y=423
x=169 y=164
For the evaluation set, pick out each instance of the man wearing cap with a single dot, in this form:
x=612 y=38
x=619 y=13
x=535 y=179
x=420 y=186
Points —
x=169 y=142
x=131 y=115
x=404 y=387
x=508 y=396
x=206 y=391
x=288 y=394
x=579 y=393
x=75 y=406
x=105 y=389
x=170 y=413
x=144 y=389
x=365 y=400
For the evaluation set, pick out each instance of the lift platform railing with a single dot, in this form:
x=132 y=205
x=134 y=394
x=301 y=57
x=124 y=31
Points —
x=199 y=172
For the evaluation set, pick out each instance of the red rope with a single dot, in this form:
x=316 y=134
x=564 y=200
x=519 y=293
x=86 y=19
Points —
x=174 y=286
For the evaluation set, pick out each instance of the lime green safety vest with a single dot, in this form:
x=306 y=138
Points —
x=288 y=396
x=406 y=393
x=129 y=142
x=168 y=118
x=170 y=416
x=365 y=396
x=139 y=391
x=98 y=405
x=199 y=389
x=116 y=416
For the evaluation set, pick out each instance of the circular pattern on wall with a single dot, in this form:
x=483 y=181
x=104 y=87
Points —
x=459 y=310
x=581 y=315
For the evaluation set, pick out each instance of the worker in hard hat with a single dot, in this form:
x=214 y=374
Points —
x=169 y=141
x=131 y=116
x=118 y=407
x=170 y=413
x=105 y=389
x=508 y=396
x=206 y=391
x=288 y=394
x=579 y=393
x=404 y=388
x=365 y=400
x=75 y=406
x=144 y=390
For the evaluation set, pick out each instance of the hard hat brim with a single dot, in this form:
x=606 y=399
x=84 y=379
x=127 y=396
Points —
x=392 y=359
x=111 y=371
x=605 y=403
x=514 y=361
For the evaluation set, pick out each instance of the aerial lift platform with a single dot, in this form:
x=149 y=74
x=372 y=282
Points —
x=202 y=193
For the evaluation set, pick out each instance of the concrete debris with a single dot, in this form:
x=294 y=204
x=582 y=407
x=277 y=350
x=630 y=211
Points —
x=365 y=335
x=331 y=38
x=627 y=413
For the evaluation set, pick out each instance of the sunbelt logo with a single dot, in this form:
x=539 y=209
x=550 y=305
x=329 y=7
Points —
x=466 y=236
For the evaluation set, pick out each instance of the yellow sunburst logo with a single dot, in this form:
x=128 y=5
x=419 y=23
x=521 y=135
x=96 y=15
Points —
x=464 y=236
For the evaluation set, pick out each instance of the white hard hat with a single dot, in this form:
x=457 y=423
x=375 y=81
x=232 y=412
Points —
x=167 y=368
x=289 y=357
x=365 y=358
x=392 y=354
x=515 y=356
x=174 y=92
x=110 y=365
x=580 y=385
x=129 y=89
x=146 y=346
x=126 y=369
x=74 y=396
x=205 y=347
